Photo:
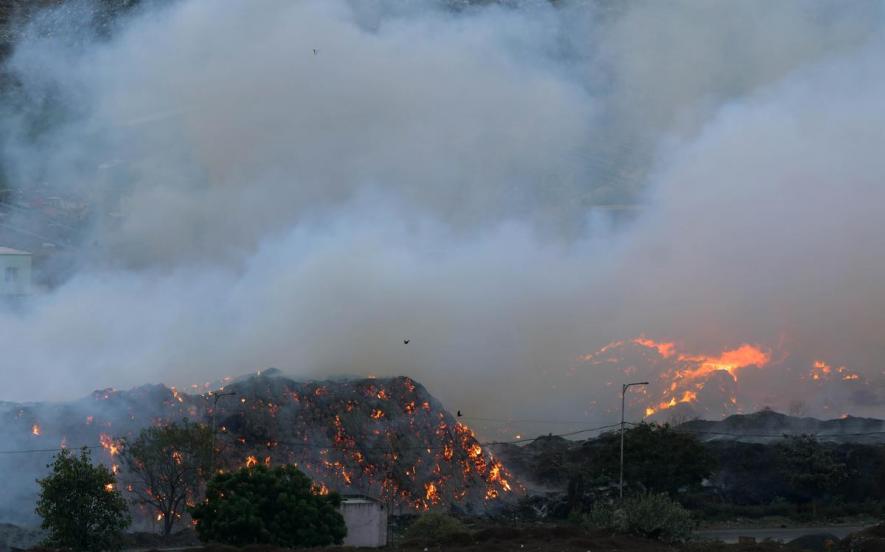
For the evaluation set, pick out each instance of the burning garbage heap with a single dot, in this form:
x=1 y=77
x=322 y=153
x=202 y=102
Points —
x=385 y=438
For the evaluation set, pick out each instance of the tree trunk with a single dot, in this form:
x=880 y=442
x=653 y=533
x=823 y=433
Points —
x=168 y=520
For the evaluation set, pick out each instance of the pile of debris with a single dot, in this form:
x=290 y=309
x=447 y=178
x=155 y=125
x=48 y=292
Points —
x=384 y=438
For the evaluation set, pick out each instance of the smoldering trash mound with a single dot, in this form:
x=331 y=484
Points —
x=386 y=438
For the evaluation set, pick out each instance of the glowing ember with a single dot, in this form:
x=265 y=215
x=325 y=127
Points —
x=112 y=447
x=176 y=395
x=386 y=438
x=821 y=371
x=495 y=475
x=430 y=492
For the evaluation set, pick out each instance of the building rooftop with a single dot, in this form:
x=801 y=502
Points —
x=359 y=499
x=11 y=251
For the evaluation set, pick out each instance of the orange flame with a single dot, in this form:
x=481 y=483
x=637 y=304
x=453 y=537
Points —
x=109 y=444
x=664 y=348
x=431 y=492
x=689 y=371
x=495 y=475
x=728 y=361
x=820 y=370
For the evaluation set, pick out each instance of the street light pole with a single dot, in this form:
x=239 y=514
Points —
x=624 y=388
x=215 y=396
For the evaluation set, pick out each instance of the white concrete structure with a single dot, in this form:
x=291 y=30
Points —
x=366 y=520
x=15 y=272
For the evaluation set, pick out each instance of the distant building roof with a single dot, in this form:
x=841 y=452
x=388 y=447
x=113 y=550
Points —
x=11 y=251
x=359 y=499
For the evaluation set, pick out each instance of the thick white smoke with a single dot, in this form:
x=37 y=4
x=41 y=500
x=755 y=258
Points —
x=305 y=184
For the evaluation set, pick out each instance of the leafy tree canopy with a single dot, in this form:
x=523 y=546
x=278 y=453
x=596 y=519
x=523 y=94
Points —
x=657 y=457
x=810 y=468
x=80 y=505
x=260 y=505
x=167 y=466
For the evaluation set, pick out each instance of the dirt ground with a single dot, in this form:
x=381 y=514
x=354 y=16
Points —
x=544 y=539
x=574 y=539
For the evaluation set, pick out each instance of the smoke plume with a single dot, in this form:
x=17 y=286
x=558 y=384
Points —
x=306 y=184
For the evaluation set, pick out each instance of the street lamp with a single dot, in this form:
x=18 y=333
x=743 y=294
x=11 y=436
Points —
x=624 y=388
x=216 y=397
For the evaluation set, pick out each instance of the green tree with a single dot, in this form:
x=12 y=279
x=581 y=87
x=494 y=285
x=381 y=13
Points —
x=657 y=457
x=260 y=505
x=80 y=505
x=167 y=467
x=811 y=469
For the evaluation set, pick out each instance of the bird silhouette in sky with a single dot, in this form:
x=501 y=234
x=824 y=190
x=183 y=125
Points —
x=459 y=413
x=315 y=51
x=406 y=341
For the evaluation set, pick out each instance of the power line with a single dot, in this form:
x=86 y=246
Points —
x=29 y=451
x=332 y=446
x=552 y=422
x=433 y=447
x=781 y=434
x=569 y=434
x=493 y=443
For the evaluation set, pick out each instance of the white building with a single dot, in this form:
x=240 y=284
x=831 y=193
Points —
x=366 y=521
x=15 y=272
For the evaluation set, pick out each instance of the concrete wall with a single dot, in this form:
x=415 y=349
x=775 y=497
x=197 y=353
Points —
x=366 y=522
x=15 y=274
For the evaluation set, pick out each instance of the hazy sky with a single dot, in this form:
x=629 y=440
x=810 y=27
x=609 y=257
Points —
x=442 y=175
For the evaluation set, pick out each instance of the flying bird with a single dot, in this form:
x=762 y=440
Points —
x=406 y=341
x=315 y=51
x=459 y=413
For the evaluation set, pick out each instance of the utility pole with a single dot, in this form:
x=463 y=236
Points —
x=215 y=396
x=624 y=388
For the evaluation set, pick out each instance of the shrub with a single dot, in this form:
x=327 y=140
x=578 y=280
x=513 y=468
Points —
x=654 y=516
x=259 y=505
x=435 y=528
x=80 y=505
